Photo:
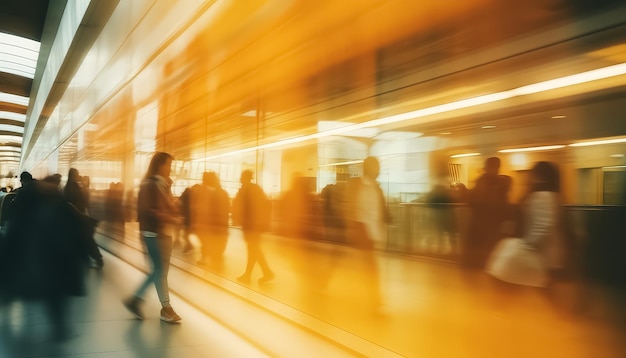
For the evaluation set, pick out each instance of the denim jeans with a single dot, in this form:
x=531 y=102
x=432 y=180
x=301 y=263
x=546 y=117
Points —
x=159 y=250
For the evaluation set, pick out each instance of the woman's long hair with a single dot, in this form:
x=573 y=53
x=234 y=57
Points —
x=546 y=177
x=72 y=175
x=158 y=159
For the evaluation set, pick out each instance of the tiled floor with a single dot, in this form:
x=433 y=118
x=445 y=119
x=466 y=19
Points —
x=101 y=326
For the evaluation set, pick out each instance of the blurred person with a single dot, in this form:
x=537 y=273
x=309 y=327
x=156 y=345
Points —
x=332 y=203
x=54 y=179
x=543 y=231
x=544 y=225
x=489 y=209
x=7 y=208
x=298 y=210
x=74 y=191
x=76 y=194
x=440 y=214
x=156 y=212
x=185 y=227
x=438 y=202
x=210 y=207
x=366 y=207
x=25 y=179
x=113 y=208
x=251 y=210
x=366 y=218
x=43 y=255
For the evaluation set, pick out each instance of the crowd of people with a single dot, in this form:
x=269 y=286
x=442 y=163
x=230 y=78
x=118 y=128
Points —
x=48 y=238
x=47 y=244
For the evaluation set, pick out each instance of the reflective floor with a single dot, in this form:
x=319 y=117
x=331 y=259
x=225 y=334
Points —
x=417 y=307
x=101 y=326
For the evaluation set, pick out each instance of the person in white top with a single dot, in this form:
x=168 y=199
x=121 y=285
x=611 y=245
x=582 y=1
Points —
x=542 y=216
x=367 y=218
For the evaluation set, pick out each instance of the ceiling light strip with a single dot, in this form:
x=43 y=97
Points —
x=19 y=42
x=12 y=128
x=5 y=148
x=531 y=149
x=599 y=142
x=13 y=116
x=579 y=78
x=10 y=139
x=14 y=99
x=465 y=155
x=18 y=55
x=342 y=163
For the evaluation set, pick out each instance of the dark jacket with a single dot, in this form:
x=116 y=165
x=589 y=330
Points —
x=251 y=208
x=155 y=207
x=44 y=252
x=76 y=195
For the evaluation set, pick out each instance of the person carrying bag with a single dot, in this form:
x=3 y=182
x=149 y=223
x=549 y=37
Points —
x=539 y=254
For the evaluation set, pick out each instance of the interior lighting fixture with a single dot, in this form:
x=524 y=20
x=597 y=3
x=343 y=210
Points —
x=12 y=115
x=464 y=155
x=619 y=155
x=599 y=142
x=342 y=163
x=18 y=55
x=566 y=81
x=10 y=139
x=14 y=99
x=531 y=149
x=557 y=117
x=6 y=148
x=488 y=127
x=12 y=128
x=445 y=133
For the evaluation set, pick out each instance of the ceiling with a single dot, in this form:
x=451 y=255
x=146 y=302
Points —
x=23 y=19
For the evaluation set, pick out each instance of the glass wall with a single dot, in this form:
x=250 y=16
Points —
x=303 y=112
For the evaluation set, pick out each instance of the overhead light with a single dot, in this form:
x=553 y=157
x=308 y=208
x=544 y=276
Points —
x=616 y=155
x=10 y=138
x=9 y=154
x=342 y=163
x=14 y=99
x=488 y=127
x=531 y=149
x=576 y=79
x=445 y=133
x=599 y=142
x=10 y=149
x=519 y=160
x=558 y=117
x=579 y=78
x=12 y=128
x=12 y=115
x=18 y=55
x=464 y=155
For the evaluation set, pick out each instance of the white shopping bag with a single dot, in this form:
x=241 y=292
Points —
x=514 y=261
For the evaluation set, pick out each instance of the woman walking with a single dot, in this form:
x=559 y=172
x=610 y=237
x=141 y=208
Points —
x=156 y=212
